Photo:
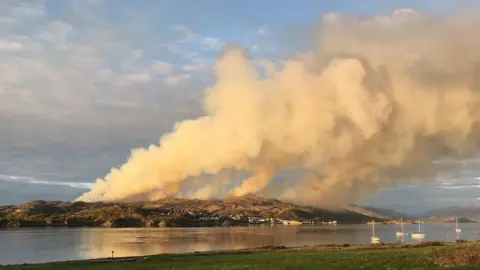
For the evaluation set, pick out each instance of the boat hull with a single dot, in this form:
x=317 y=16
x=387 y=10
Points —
x=418 y=235
x=293 y=222
x=375 y=240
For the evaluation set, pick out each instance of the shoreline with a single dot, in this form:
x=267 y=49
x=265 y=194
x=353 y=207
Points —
x=219 y=254
x=41 y=226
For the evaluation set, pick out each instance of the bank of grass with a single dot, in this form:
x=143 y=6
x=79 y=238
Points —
x=433 y=255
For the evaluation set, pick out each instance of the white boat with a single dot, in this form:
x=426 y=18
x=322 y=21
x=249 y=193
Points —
x=374 y=239
x=457 y=230
x=292 y=222
x=401 y=232
x=418 y=235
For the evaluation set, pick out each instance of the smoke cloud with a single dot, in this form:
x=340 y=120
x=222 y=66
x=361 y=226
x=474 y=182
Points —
x=374 y=105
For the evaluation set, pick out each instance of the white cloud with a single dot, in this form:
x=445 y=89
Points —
x=174 y=48
x=198 y=65
x=61 y=70
x=10 y=46
x=211 y=43
x=137 y=54
x=6 y=20
x=28 y=10
x=331 y=16
x=31 y=180
x=93 y=2
x=131 y=79
x=190 y=37
x=58 y=28
x=191 y=54
x=263 y=30
x=459 y=187
x=194 y=67
x=8 y=74
x=16 y=12
x=161 y=67
x=140 y=77
x=181 y=28
x=74 y=82
x=406 y=13
x=55 y=33
x=175 y=80
x=254 y=48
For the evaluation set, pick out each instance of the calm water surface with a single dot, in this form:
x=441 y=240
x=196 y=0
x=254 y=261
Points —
x=61 y=244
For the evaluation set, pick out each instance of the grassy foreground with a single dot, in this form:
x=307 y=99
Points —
x=363 y=257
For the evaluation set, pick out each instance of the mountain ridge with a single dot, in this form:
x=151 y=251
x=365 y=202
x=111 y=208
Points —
x=470 y=212
x=175 y=212
x=195 y=212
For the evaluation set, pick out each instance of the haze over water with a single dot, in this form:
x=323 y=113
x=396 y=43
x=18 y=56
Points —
x=39 y=245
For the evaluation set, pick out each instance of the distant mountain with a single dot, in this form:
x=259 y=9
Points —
x=381 y=213
x=448 y=220
x=471 y=213
x=177 y=212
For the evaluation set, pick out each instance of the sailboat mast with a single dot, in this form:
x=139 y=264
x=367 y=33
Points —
x=373 y=228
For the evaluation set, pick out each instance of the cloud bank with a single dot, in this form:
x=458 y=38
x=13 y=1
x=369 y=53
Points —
x=378 y=101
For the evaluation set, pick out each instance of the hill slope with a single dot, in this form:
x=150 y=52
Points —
x=173 y=212
x=381 y=213
x=471 y=213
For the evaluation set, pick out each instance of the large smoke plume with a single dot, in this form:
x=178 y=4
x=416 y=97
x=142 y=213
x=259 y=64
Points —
x=373 y=106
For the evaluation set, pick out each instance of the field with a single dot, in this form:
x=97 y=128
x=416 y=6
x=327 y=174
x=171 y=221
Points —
x=425 y=256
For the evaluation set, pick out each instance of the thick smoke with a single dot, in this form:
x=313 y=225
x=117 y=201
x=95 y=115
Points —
x=373 y=106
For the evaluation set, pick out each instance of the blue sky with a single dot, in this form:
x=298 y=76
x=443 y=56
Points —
x=84 y=81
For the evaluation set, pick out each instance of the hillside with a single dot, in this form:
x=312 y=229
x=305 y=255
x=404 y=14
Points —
x=448 y=220
x=173 y=212
x=381 y=213
x=471 y=213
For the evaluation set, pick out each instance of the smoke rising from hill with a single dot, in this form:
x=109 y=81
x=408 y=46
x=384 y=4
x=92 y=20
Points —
x=373 y=106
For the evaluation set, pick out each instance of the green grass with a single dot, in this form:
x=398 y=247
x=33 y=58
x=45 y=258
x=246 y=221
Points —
x=304 y=258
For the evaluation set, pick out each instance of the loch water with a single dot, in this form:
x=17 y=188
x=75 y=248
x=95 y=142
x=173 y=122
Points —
x=38 y=245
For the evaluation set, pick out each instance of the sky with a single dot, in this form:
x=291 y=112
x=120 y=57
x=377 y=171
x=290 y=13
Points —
x=84 y=81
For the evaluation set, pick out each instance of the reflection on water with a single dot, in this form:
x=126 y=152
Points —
x=48 y=244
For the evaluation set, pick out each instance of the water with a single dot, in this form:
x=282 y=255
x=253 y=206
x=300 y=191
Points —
x=60 y=244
